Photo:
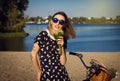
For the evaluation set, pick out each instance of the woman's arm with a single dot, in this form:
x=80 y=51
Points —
x=63 y=57
x=35 y=60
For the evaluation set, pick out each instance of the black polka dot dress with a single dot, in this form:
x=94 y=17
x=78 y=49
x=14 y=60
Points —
x=52 y=70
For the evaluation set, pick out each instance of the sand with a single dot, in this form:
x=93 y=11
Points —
x=17 y=66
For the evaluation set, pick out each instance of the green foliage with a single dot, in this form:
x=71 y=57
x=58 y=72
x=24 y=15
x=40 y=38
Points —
x=56 y=36
x=59 y=33
x=12 y=15
x=117 y=20
x=83 y=20
x=112 y=71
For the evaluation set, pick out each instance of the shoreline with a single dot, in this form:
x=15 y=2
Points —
x=18 y=66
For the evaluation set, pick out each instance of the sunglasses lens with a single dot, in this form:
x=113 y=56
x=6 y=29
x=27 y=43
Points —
x=61 y=22
x=55 y=20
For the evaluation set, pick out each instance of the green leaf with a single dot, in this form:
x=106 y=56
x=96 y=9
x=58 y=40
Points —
x=56 y=36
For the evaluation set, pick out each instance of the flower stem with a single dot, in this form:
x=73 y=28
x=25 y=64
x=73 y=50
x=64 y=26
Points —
x=60 y=48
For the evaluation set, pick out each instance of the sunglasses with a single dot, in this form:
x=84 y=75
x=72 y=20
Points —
x=55 y=20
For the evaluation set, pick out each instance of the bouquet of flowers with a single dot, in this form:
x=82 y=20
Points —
x=56 y=36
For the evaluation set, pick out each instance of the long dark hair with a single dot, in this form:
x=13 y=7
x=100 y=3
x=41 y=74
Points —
x=67 y=27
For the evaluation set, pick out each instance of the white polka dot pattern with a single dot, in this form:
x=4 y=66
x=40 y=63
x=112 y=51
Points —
x=52 y=70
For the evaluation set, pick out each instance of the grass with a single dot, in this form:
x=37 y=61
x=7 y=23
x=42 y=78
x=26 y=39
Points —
x=13 y=34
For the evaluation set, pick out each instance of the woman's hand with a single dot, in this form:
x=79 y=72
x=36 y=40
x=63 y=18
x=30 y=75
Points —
x=60 y=40
x=60 y=43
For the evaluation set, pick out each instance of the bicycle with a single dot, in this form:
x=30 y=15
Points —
x=96 y=72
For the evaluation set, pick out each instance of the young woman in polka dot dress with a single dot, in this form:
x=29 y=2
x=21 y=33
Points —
x=51 y=62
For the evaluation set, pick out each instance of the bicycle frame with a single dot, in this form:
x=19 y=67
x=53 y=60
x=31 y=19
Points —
x=91 y=70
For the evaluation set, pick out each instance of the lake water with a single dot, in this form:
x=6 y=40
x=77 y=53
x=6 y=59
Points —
x=90 y=38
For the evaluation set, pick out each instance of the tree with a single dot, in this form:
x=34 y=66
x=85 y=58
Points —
x=117 y=20
x=12 y=15
x=82 y=20
x=75 y=20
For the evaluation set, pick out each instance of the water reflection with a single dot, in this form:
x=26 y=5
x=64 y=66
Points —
x=89 y=38
x=13 y=44
x=34 y=29
x=22 y=44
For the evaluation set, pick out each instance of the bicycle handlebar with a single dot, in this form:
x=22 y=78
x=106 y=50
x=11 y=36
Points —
x=76 y=54
x=94 y=68
x=80 y=56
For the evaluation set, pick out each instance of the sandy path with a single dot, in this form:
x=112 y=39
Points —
x=17 y=66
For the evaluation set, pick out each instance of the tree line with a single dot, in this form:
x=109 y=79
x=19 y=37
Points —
x=80 y=20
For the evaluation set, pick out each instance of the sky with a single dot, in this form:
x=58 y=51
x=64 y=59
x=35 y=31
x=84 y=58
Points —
x=74 y=8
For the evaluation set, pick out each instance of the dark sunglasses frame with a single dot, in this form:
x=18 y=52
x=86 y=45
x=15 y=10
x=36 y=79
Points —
x=61 y=22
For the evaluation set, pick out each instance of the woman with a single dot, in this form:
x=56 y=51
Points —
x=46 y=46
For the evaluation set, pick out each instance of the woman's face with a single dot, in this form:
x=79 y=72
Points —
x=57 y=22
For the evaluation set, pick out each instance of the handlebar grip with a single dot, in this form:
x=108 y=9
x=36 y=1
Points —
x=73 y=53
